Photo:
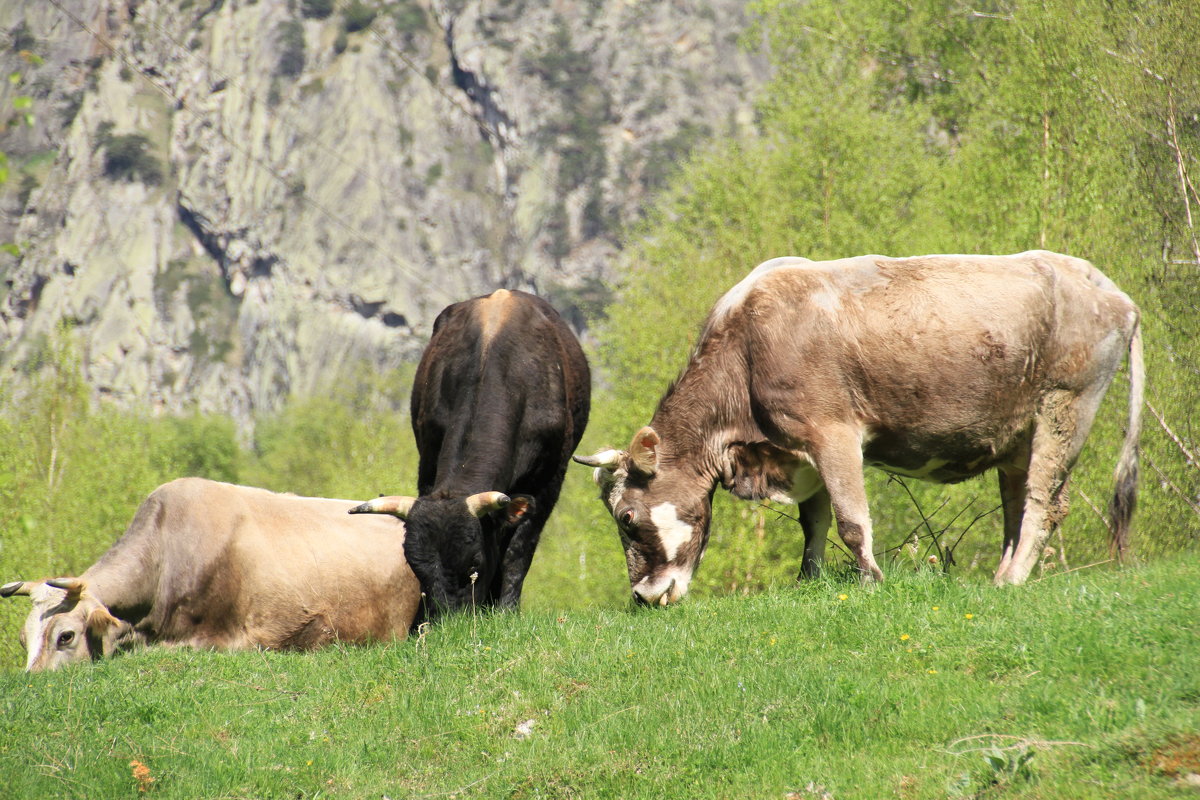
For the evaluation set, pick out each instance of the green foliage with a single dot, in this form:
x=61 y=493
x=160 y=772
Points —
x=316 y=9
x=358 y=16
x=824 y=690
x=576 y=132
x=1009 y=765
x=128 y=157
x=291 y=49
x=20 y=38
x=350 y=441
x=409 y=16
x=907 y=129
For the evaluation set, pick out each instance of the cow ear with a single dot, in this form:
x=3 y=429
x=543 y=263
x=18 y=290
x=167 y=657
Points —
x=518 y=509
x=643 y=451
x=107 y=634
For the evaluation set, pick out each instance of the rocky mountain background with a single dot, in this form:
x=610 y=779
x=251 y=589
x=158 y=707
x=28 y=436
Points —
x=226 y=202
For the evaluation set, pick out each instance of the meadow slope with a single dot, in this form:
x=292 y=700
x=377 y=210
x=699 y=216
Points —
x=1078 y=686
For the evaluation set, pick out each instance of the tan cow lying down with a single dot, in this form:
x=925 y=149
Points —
x=213 y=565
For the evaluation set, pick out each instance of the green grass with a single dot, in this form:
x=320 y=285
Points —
x=1091 y=676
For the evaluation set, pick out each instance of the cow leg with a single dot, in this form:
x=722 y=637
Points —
x=1060 y=429
x=1012 y=499
x=815 y=516
x=838 y=459
x=515 y=562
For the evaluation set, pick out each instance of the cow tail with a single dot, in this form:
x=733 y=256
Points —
x=1124 y=501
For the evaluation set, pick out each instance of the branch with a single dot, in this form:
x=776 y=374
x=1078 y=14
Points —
x=1073 y=569
x=1184 y=182
x=1170 y=483
x=1018 y=742
x=1094 y=507
x=1191 y=457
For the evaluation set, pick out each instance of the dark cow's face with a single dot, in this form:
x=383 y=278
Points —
x=662 y=519
x=445 y=546
x=452 y=543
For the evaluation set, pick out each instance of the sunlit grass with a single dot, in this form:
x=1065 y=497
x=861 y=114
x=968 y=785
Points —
x=1082 y=685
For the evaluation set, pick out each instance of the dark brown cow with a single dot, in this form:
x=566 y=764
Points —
x=499 y=403
x=938 y=367
x=212 y=565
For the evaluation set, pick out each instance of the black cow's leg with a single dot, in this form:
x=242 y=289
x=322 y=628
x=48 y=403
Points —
x=516 y=559
x=815 y=516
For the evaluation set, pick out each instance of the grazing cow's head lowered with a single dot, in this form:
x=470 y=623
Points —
x=663 y=538
x=66 y=624
x=939 y=367
x=451 y=543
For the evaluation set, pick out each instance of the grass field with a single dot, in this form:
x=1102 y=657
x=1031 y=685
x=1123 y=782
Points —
x=1078 y=686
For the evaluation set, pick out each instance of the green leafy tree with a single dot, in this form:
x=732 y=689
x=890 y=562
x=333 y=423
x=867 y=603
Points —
x=935 y=127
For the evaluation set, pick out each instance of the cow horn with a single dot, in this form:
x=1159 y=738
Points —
x=396 y=505
x=73 y=586
x=482 y=503
x=15 y=588
x=605 y=459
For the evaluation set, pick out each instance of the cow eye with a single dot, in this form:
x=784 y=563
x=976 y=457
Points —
x=65 y=638
x=626 y=518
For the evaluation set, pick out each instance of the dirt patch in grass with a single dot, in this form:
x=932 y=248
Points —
x=1178 y=757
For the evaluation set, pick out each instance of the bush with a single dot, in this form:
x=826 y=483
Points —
x=291 y=54
x=316 y=9
x=409 y=17
x=128 y=158
x=357 y=16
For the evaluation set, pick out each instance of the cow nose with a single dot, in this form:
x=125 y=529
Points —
x=646 y=597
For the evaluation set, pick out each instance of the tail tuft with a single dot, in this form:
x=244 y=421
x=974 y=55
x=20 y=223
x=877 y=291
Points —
x=1124 y=501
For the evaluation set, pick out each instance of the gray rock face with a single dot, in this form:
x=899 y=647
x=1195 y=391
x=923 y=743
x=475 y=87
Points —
x=232 y=201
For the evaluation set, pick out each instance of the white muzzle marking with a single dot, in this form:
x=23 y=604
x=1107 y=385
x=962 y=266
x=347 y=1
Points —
x=667 y=588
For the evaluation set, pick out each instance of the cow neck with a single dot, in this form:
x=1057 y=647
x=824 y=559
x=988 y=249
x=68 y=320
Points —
x=124 y=579
x=702 y=413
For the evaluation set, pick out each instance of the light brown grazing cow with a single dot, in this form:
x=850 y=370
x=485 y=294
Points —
x=213 y=565
x=938 y=367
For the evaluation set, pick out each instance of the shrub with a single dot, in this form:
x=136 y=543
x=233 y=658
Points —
x=128 y=158
x=291 y=54
x=357 y=16
x=316 y=9
x=409 y=17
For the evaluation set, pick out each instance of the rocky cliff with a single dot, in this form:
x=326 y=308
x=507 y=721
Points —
x=228 y=201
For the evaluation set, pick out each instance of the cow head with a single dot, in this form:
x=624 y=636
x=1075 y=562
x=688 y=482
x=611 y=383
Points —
x=452 y=543
x=662 y=517
x=67 y=624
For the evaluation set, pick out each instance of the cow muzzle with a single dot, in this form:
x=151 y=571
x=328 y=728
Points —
x=662 y=592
